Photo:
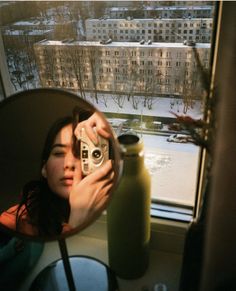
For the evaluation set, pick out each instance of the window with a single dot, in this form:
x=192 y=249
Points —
x=178 y=64
x=173 y=166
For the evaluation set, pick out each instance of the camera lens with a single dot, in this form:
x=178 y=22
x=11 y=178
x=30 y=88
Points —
x=96 y=154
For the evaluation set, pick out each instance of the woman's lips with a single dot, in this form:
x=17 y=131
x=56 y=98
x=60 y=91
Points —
x=67 y=181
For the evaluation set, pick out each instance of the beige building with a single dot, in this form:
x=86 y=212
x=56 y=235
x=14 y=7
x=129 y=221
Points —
x=157 y=30
x=122 y=67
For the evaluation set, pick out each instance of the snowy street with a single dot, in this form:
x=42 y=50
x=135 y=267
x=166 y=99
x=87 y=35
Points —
x=173 y=167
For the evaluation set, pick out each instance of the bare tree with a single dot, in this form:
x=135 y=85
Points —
x=93 y=59
x=104 y=99
x=74 y=56
x=64 y=28
x=131 y=85
x=192 y=82
x=48 y=68
x=118 y=99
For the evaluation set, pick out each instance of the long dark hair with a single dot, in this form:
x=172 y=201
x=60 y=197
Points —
x=45 y=210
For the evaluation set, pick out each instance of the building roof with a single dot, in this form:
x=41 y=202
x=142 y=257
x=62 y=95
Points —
x=163 y=8
x=147 y=19
x=20 y=32
x=124 y=44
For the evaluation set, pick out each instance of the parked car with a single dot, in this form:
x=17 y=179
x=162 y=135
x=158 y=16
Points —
x=154 y=125
x=181 y=138
x=174 y=126
x=116 y=122
x=131 y=123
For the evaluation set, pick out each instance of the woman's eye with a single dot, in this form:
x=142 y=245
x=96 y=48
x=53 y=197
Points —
x=58 y=154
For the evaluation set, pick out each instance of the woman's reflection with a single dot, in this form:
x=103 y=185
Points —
x=63 y=199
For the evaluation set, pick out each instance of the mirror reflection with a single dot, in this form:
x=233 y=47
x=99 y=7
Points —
x=76 y=160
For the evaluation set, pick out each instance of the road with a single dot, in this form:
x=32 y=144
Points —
x=160 y=142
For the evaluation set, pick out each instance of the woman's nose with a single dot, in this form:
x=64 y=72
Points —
x=70 y=162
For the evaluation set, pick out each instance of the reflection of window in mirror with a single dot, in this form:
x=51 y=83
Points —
x=137 y=68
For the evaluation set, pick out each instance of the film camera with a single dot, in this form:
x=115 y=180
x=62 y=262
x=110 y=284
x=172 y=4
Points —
x=92 y=157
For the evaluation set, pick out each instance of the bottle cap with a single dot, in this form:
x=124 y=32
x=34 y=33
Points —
x=131 y=144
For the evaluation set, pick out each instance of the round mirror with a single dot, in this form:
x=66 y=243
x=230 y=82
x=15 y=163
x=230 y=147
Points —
x=59 y=164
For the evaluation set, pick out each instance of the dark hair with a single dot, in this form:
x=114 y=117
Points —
x=52 y=133
x=45 y=210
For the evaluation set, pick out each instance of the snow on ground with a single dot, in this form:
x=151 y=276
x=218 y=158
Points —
x=161 y=106
x=174 y=175
x=173 y=168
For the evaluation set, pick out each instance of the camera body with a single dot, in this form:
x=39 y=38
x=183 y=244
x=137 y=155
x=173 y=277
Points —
x=92 y=157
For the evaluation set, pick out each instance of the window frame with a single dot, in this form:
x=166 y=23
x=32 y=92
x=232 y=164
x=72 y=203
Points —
x=159 y=209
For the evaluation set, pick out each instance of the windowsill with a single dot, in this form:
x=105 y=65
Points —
x=166 y=235
x=167 y=241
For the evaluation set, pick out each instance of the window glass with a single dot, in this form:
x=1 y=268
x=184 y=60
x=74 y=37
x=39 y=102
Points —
x=142 y=78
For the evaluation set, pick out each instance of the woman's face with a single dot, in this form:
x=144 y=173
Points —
x=60 y=167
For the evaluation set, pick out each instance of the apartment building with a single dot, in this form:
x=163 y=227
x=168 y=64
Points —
x=204 y=11
x=156 y=30
x=123 y=67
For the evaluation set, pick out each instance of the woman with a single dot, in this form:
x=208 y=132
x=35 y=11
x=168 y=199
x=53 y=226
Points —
x=62 y=199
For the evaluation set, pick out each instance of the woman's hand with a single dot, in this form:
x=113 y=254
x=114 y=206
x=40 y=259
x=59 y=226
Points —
x=90 y=196
x=95 y=120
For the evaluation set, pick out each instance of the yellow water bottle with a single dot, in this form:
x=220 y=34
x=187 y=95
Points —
x=128 y=215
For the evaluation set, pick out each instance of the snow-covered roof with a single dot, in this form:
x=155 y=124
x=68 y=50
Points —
x=162 y=8
x=124 y=44
x=39 y=21
x=148 y=19
x=17 y=32
x=6 y=3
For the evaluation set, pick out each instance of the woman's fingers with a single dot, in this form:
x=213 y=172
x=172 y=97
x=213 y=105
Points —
x=104 y=132
x=90 y=131
x=89 y=125
x=102 y=197
x=77 y=176
x=101 y=173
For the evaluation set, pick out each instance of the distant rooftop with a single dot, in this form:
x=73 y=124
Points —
x=39 y=21
x=147 y=19
x=6 y=3
x=161 y=8
x=18 y=32
x=34 y=21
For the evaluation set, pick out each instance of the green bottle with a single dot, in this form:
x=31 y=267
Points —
x=128 y=215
